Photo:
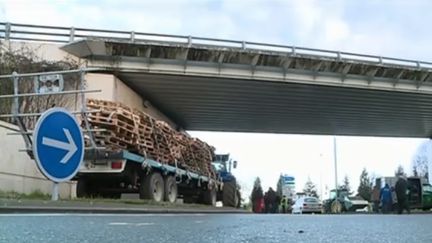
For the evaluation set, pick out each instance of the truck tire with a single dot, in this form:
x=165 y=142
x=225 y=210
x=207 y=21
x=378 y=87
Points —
x=229 y=194
x=82 y=188
x=336 y=207
x=189 y=199
x=85 y=190
x=152 y=187
x=208 y=197
x=171 y=190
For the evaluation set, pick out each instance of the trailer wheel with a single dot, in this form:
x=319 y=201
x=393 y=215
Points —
x=82 y=188
x=152 y=187
x=336 y=207
x=208 y=197
x=171 y=191
x=229 y=194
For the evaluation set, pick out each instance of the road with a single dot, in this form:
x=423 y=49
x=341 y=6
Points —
x=214 y=228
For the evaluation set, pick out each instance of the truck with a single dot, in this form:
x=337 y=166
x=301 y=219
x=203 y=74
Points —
x=168 y=164
x=420 y=191
x=109 y=174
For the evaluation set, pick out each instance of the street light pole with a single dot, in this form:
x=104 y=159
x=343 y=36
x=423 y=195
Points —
x=335 y=164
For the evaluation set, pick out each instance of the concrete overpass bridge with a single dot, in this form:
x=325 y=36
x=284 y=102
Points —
x=224 y=85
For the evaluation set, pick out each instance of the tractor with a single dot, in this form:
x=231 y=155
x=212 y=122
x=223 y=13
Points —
x=340 y=202
x=230 y=193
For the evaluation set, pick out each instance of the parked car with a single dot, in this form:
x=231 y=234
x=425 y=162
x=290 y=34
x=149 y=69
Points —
x=307 y=205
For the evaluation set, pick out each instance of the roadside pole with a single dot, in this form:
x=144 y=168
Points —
x=55 y=194
x=335 y=164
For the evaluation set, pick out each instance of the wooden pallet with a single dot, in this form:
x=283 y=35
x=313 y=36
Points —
x=133 y=129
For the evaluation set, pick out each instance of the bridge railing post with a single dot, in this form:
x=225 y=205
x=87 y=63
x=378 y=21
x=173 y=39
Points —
x=72 y=34
x=8 y=27
x=132 y=36
x=189 y=41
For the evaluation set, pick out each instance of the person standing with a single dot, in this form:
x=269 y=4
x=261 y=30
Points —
x=401 y=189
x=284 y=204
x=271 y=194
x=386 y=199
x=256 y=198
x=376 y=198
x=266 y=203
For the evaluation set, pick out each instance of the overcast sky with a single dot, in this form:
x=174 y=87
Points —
x=369 y=27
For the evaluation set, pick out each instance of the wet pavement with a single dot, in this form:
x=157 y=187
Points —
x=214 y=228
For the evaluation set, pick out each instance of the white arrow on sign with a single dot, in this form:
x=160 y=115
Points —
x=70 y=146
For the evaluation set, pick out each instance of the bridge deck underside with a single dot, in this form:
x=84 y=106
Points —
x=220 y=104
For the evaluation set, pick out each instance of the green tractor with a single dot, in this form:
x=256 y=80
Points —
x=340 y=201
x=230 y=194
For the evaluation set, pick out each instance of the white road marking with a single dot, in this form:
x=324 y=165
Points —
x=134 y=224
x=118 y=223
x=144 y=224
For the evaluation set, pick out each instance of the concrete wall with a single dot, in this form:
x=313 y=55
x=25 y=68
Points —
x=114 y=89
x=19 y=173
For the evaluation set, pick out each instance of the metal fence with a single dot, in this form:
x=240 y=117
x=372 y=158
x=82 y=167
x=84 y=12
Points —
x=55 y=34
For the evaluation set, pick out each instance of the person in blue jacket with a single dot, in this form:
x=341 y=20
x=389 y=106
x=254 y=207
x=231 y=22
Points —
x=386 y=199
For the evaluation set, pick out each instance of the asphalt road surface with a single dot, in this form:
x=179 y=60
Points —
x=214 y=228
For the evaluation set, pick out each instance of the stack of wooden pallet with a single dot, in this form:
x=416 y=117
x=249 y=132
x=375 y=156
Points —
x=138 y=132
x=120 y=125
x=146 y=144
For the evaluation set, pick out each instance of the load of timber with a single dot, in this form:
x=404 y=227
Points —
x=124 y=128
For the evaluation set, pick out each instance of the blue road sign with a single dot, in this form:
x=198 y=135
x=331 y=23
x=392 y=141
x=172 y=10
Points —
x=58 y=145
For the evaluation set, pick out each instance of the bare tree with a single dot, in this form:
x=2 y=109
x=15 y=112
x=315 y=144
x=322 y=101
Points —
x=420 y=162
x=400 y=171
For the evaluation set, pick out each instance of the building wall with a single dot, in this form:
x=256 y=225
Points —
x=19 y=173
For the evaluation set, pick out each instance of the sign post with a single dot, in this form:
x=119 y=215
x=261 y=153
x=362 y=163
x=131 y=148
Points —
x=58 y=146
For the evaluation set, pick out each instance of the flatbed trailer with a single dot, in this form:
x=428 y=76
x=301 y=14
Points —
x=106 y=173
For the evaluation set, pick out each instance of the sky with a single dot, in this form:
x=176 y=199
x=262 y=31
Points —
x=388 y=28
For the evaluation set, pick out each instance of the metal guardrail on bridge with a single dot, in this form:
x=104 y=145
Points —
x=55 y=34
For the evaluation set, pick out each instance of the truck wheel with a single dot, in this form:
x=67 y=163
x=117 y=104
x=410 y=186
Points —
x=81 y=188
x=152 y=187
x=208 y=197
x=189 y=199
x=336 y=207
x=170 y=189
x=230 y=197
